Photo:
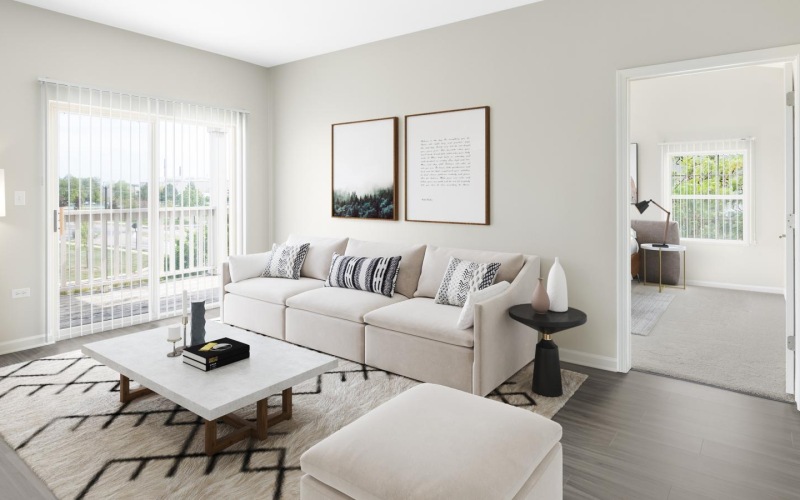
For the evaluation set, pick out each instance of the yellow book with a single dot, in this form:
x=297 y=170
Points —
x=208 y=346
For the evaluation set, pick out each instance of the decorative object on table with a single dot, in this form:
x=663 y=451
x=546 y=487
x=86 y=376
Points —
x=285 y=261
x=463 y=277
x=368 y=274
x=644 y=205
x=546 y=365
x=173 y=335
x=633 y=161
x=198 y=322
x=447 y=166
x=467 y=317
x=364 y=169
x=540 y=302
x=215 y=354
x=557 y=288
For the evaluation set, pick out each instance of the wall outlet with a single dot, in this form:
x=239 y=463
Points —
x=19 y=293
x=19 y=197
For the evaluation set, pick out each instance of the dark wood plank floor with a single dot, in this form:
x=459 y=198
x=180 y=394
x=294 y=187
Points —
x=626 y=436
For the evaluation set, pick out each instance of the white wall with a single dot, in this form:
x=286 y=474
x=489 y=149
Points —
x=548 y=72
x=736 y=103
x=37 y=43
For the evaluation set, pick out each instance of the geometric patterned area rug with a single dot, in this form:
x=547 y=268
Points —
x=63 y=417
x=646 y=309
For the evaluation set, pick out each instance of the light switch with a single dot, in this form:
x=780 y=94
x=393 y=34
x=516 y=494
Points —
x=19 y=197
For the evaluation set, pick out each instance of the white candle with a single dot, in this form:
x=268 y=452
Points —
x=185 y=303
x=174 y=333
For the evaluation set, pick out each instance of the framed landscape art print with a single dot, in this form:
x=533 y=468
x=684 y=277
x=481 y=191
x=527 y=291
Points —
x=447 y=166
x=364 y=169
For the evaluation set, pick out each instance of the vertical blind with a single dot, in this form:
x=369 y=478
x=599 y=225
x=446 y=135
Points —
x=710 y=188
x=146 y=196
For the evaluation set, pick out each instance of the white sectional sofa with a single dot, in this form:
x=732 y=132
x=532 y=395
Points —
x=408 y=334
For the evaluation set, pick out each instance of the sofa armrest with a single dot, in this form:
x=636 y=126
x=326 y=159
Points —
x=225 y=279
x=502 y=345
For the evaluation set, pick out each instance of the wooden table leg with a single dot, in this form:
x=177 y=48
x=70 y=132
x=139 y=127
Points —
x=245 y=428
x=127 y=395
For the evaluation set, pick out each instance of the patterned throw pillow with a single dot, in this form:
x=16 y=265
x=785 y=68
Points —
x=463 y=277
x=285 y=261
x=376 y=275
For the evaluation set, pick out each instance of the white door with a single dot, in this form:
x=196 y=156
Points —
x=791 y=380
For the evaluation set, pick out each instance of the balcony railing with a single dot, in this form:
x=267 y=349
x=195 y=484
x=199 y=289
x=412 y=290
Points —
x=107 y=255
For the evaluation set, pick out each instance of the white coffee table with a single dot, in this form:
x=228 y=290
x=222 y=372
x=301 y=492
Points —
x=273 y=366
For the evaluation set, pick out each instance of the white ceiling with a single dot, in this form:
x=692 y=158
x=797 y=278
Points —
x=271 y=32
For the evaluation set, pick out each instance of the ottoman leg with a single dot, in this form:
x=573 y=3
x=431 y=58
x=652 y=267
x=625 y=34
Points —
x=547 y=369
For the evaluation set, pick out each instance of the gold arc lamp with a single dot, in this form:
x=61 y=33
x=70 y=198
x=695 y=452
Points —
x=644 y=205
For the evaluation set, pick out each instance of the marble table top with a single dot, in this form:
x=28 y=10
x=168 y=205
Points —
x=273 y=365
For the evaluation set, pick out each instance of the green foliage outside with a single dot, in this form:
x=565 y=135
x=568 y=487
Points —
x=697 y=182
x=378 y=204
x=89 y=192
x=188 y=241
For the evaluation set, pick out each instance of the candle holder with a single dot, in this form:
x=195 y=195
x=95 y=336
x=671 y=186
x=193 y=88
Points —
x=184 y=322
x=175 y=352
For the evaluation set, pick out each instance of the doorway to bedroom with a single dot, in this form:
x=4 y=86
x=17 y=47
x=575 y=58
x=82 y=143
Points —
x=708 y=153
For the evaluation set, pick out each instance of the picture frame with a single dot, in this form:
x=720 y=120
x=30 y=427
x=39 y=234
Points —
x=633 y=160
x=364 y=169
x=447 y=166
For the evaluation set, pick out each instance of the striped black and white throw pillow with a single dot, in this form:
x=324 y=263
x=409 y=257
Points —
x=376 y=274
x=463 y=277
x=285 y=261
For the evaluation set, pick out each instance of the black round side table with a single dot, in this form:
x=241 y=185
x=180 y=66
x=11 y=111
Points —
x=546 y=366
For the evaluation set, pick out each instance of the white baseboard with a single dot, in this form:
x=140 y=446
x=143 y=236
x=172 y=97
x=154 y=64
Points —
x=587 y=359
x=732 y=286
x=22 y=344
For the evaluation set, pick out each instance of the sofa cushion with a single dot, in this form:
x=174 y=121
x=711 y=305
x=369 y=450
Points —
x=463 y=277
x=370 y=274
x=285 y=261
x=467 y=317
x=320 y=253
x=434 y=442
x=273 y=290
x=424 y=318
x=410 y=264
x=342 y=303
x=244 y=267
x=437 y=259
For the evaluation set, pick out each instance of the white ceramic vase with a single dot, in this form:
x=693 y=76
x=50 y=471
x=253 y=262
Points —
x=557 y=288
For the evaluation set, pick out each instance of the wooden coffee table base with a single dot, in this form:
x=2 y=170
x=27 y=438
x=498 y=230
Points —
x=244 y=428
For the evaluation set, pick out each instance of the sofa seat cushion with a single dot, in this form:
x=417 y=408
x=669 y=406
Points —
x=434 y=442
x=273 y=290
x=342 y=303
x=423 y=318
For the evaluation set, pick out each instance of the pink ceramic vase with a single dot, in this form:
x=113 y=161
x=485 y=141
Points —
x=540 y=301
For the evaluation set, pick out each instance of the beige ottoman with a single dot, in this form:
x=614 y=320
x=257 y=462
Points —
x=433 y=442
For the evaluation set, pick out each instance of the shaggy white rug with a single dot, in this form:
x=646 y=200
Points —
x=63 y=417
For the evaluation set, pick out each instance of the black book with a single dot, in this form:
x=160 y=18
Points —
x=217 y=363
x=214 y=355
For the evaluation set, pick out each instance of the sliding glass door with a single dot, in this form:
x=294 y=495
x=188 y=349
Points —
x=141 y=191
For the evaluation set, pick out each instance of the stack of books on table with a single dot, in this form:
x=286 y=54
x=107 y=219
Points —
x=215 y=354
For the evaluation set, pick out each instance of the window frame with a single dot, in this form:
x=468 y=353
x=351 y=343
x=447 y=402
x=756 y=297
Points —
x=714 y=147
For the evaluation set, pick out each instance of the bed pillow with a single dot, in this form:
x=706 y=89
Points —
x=370 y=274
x=285 y=261
x=467 y=318
x=463 y=277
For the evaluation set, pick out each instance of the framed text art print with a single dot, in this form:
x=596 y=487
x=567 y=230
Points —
x=364 y=169
x=447 y=166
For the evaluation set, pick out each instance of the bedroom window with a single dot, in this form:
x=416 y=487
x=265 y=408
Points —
x=709 y=188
